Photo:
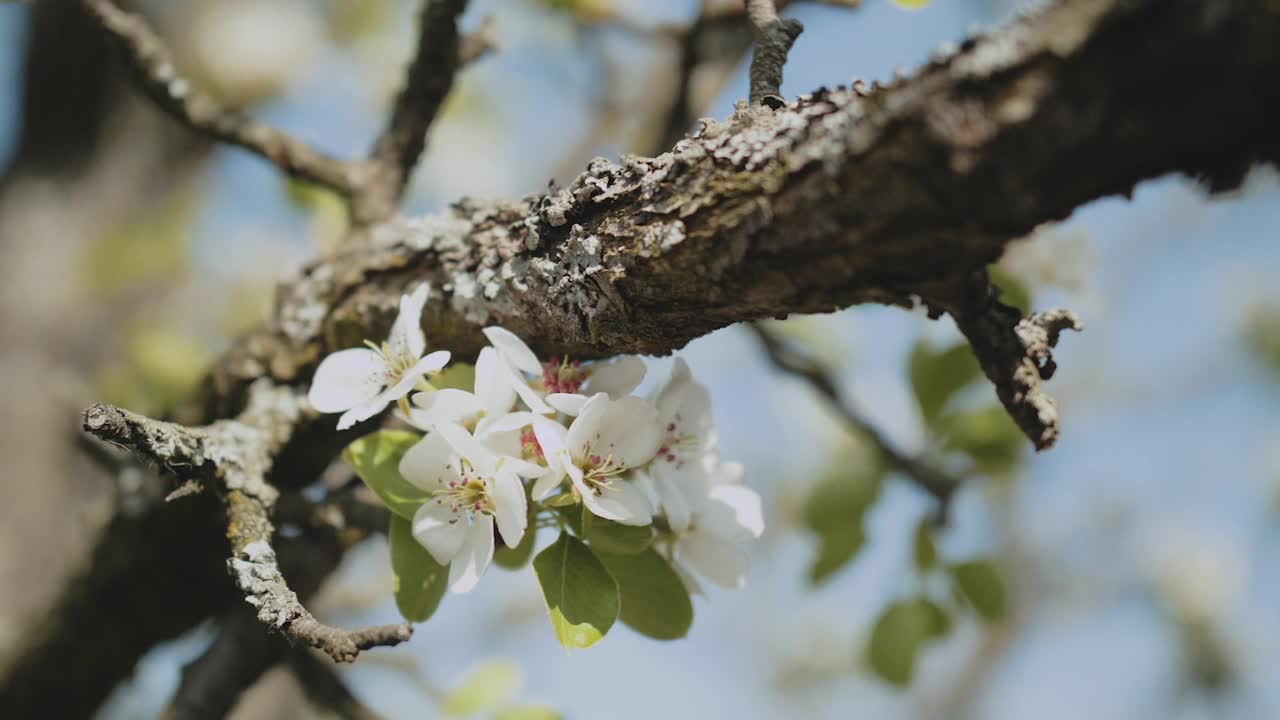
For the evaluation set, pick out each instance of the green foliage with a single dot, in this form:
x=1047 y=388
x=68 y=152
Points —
x=376 y=459
x=459 y=376
x=1012 y=291
x=1263 y=335
x=988 y=436
x=926 y=552
x=607 y=536
x=518 y=556
x=912 y=4
x=149 y=248
x=581 y=595
x=981 y=583
x=937 y=375
x=655 y=601
x=528 y=712
x=420 y=581
x=486 y=687
x=899 y=634
x=835 y=512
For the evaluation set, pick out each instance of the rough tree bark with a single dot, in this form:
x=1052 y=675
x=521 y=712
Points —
x=889 y=194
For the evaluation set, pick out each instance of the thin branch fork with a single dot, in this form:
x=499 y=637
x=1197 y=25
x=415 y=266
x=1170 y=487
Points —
x=233 y=457
x=938 y=483
x=372 y=187
x=157 y=74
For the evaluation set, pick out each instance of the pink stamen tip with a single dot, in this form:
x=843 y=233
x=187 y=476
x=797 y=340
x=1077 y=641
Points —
x=671 y=427
x=595 y=459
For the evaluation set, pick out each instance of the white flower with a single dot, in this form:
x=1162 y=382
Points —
x=570 y=384
x=728 y=515
x=471 y=487
x=680 y=472
x=361 y=382
x=493 y=398
x=607 y=440
x=514 y=359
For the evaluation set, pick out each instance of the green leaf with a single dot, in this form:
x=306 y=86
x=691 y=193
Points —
x=835 y=511
x=518 y=556
x=459 y=376
x=982 y=584
x=836 y=548
x=937 y=375
x=581 y=595
x=898 y=635
x=487 y=686
x=564 y=499
x=912 y=4
x=1012 y=290
x=528 y=712
x=420 y=581
x=376 y=459
x=926 y=551
x=607 y=536
x=988 y=436
x=655 y=601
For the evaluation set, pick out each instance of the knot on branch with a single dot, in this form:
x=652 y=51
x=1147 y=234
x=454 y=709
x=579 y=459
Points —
x=1015 y=353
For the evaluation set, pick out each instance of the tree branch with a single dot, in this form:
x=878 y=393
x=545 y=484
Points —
x=846 y=196
x=938 y=483
x=428 y=80
x=234 y=457
x=151 y=63
x=774 y=38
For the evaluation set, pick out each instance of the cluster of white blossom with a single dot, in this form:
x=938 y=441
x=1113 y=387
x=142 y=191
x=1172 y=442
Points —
x=554 y=434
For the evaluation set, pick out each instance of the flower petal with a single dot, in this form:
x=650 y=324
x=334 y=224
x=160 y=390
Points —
x=626 y=429
x=671 y=396
x=672 y=499
x=406 y=338
x=474 y=555
x=466 y=445
x=723 y=563
x=513 y=349
x=493 y=387
x=552 y=438
x=618 y=377
x=546 y=484
x=567 y=403
x=448 y=405
x=426 y=464
x=733 y=513
x=364 y=410
x=346 y=379
x=438 y=529
x=621 y=502
x=510 y=507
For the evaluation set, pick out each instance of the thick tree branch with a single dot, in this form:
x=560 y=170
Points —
x=234 y=457
x=774 y=38
x=841 y=198
x=158 y=76
x=427 y=82
x=938 y=483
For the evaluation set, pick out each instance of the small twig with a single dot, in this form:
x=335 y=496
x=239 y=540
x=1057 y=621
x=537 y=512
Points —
x=477 y=43
x=1015 y=352
x=151 y=62
x=774 y=38
x=427 y=82
x=189 y=487
x=939 y=484
x=234 y=457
